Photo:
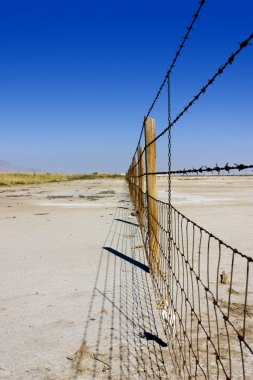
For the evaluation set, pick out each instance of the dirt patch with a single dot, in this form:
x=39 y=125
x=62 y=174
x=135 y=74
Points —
x=17 y=196
x=107 y=192
x=59 y=196
x=84 y=358
x=89 y=197
x=237 y=309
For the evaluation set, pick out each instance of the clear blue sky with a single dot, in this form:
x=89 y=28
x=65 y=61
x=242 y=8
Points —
x=77 y=77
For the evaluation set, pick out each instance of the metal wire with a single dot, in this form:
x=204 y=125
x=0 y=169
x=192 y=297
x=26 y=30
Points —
x=178 y=52
x=171 y=67
x=204 y=169
x=219 y=72
x=206 y=304
x=207 y=316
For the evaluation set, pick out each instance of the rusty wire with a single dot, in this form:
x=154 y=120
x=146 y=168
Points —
x=206 y=304
x=171 y=67
x=203 y=169
x=205 y=293
x=178 y=52
x=202 y=91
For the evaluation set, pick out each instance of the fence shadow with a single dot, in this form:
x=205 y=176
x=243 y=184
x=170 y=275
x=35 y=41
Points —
x=138 y=264
x=123 y=337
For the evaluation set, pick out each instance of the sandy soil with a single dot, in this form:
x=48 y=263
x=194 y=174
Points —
x=76 y=296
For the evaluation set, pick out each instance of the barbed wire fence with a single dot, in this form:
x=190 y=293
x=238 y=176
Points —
x=195 y=274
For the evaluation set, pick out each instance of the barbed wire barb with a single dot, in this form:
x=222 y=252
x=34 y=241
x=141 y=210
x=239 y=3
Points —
x=219 y=72
x=171 y=67
x=205 y=169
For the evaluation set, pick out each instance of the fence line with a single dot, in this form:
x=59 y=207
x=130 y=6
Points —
x=205 y=302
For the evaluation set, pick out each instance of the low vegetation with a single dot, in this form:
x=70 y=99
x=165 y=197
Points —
x=9 y=179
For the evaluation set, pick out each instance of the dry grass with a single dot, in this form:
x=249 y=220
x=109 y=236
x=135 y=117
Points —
x=10 y=179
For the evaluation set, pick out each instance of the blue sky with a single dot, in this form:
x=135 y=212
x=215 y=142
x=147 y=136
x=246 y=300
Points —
x=77 y=78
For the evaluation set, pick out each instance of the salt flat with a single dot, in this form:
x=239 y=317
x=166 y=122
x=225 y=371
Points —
x=76 y=299
x=69 y=307
x=221 y=204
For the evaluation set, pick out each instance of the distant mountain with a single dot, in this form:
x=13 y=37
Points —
x=6 y=166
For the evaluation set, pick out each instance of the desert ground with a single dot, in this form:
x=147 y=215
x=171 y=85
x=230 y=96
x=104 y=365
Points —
x=76 y=298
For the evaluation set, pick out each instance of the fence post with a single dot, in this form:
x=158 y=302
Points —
x=133 y=179
x=153 y=227
x=135 y=193
x=141 y=184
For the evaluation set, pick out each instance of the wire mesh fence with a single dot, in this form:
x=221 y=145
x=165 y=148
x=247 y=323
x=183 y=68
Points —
x=204 y=293
x=203 y=286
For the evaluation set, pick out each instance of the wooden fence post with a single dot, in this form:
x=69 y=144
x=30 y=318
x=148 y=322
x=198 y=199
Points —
x=135 y=192
x=141 y=184
x=132 y=179
x=153 y=227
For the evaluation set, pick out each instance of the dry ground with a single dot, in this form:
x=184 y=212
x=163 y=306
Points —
x=221 y=204
x=69 y=308
x=76 y=299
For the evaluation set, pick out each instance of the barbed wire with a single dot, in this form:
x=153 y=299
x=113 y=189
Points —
x=171 y=67
x=189 y=265
x=189 y=29
x=219 y=72
x=204 y=169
